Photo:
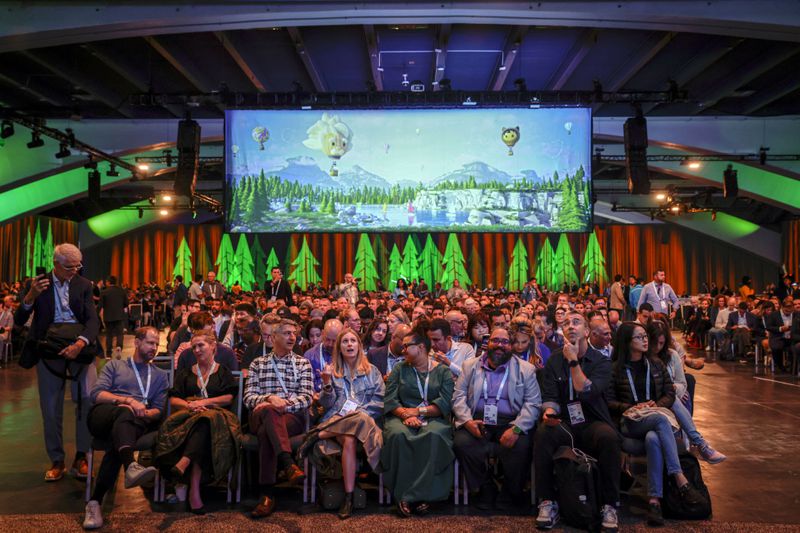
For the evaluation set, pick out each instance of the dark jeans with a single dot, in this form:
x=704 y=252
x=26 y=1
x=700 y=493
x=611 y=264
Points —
x=778 y=345
x=114 y=330
x=596 y=439
x=473 y=456
x=123 y=429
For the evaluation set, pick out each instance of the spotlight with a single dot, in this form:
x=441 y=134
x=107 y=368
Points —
x=143 y=167
x=445 y=84
x=675 y=208
x=168 y=157
x=63 y=151
x=713 y=215
x=694 y=165
x=167 y=198
x=7 y=129
x=661 y=196
x=112 y=171
x=91 y=164
x=163 y=212
x=70 y=137
x=762 y=155
x=36 y=140
x=141 y=212
x=152 y=200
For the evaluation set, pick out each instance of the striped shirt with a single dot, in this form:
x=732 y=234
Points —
x=263 y=381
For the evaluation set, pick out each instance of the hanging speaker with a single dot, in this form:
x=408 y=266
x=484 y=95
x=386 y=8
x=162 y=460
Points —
x=730 y=183
x=635 y=129
x=188 y=157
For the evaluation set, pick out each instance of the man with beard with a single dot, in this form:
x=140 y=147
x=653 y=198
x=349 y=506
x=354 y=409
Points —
x=243 y=314
x=576 y=414
x=279 y=289
x=496 y=400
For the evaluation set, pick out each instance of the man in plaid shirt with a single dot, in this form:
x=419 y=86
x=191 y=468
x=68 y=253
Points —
x=279 y=390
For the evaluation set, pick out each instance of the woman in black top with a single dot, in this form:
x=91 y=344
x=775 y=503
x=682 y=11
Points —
x=198 y=400
x=640 y=385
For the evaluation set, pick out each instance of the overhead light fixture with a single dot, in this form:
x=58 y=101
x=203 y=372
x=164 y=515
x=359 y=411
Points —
x=91 y=164
x=36 y=140
x=163 y=212
x=141 y=212
x=63 y=151
x=675 y=208
x=694 y=165
x=661 y=196
x=520 y=84
x=762 y=155
x=112 y=171
x=152 y=200
x=143 y=166
x=167 y=157
x=7 y=129
x=167 y=198
x=469 y=102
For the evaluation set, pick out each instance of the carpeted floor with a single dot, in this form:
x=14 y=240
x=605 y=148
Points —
x=292 y=522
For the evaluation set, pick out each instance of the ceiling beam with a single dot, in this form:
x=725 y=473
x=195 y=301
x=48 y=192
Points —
x=442 y=38
x=372 y=50
x=743 y=75
x=96 y=88
x=510 y=53
x=34 y=87
x=583 y=44
x=766 y=96
x=305 y=57
x=227 y=41
x=178 y=64
x=625 y=73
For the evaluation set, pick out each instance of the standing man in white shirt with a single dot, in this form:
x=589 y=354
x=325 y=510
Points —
x=660 y=295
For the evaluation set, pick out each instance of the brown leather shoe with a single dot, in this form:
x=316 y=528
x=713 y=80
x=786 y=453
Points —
x=264 y=508
x=80 y=468
x=695 y=363
x=293 y=474
x=56 y=471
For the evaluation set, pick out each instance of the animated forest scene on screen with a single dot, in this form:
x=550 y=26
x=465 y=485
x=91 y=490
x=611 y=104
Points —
x=409 y=170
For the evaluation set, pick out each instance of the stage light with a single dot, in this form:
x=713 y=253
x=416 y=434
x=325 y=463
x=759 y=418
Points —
x=445 y=84
x=152 y=201
x=164 y=212
x=713 y=215
x=694 y=165
x=70 y=137
x=7 y=129
x=112 y=171
x=91 y=164
x=36 y=140
x=141 y=212
x=762 y=155
x=167 y=198
x=143 y=167
x=661 y=196
x=675 y=208
x=63 y=151
x=168 y=157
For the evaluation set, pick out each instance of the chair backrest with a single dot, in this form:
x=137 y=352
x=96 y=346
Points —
x=135 y=311
x=239 y=375
x=164 y=362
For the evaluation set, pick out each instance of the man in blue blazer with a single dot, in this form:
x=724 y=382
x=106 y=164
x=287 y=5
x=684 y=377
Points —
x=62 y=299
x=741 y=326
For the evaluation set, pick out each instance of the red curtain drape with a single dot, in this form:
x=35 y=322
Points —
x=791 y=247
x=12 y=241
x=689 y=258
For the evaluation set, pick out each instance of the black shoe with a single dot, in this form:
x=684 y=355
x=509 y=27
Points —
x=486 y=497
x=347 y=506
x=654 y=516
x=199 y=511
x=689 y=494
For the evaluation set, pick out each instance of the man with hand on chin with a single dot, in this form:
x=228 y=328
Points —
x=129 y=400
x=279 y=390
x=496 y=399
x=576 y=414
x=279 y=289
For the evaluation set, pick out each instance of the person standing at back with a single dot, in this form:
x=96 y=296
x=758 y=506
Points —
x=114 y=305
x=659 y=294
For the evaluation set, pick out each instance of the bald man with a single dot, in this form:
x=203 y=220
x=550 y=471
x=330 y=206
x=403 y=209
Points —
x=385 y=358
x=321 y=355
x=600 y=335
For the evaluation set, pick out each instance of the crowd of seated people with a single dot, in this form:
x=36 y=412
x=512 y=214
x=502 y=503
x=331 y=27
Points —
x=409 y=381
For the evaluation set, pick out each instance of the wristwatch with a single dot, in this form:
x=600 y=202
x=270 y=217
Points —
x=516 y=430
x=573 y=364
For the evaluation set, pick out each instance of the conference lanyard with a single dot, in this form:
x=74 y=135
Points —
x=278 y=374
x=423 y=393
x=349 y=387
x=145 y=392
x=204 y=382
x=275 y=288
x=321 y=359
x=647 y=383
x=499 y=389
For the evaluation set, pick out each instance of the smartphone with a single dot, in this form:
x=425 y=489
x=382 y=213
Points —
x=40 y=271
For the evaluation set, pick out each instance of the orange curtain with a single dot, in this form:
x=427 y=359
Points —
x=791 y=247
x=12 y=242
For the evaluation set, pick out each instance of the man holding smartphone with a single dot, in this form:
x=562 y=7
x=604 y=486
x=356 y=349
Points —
x=576 y=414
x=61 y=300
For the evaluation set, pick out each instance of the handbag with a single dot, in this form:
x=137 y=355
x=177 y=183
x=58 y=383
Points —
x=58 y=337
x=332 y=495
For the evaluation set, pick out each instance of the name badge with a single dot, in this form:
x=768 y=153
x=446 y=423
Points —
x=490 y=414
x=272 y=299
x=575 y=413
x=664 y=305
x=348 y=407
x=422 y=418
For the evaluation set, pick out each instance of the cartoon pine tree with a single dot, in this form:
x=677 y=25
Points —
x=291 y=254
x=258 y=202
x=305 y=271
x=430 y=268
x=569 y=214
x=518 y=269
x=453 y=264
x=475 y=267
x=224 y=260
x=545 y=266
x=395 y=262
x=382 y=257
x=260 y=272
x=594 y=263
x=366 y=264
x=409 y=268
x=47 y=248
x=183 y=262
x=202 y=261
x=272 y=262
x=564 y=271
x=37 y=248
x=243 y=261
x=29 y=269
x=234 y=211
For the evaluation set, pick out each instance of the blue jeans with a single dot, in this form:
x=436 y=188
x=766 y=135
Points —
x=684 y=418
x=718 y=334
x=661 y=447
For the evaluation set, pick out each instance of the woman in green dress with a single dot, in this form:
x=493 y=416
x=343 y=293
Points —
x=417 y=454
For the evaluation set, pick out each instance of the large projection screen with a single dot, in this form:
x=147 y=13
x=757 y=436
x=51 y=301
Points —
x=374 y=170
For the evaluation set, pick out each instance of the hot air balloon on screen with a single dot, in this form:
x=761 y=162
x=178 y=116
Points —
x=332 y=137
x=235 y=150
x=568 y=127
x=260 y=135
x=510 y=137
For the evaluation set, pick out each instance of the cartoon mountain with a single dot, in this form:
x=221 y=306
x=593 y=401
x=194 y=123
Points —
x=482 y=172
x=358 y=177
x=304 y=170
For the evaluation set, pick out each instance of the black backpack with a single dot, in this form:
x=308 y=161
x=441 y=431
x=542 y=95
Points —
x=673 y=504
x=578 y=489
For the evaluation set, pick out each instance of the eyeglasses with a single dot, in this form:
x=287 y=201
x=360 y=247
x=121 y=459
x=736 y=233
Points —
x=639 y=337
x=73 y=268
x=407 y=345
x=504 y=342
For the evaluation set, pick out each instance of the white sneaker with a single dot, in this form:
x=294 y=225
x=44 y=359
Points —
x=93 y=518
x=610 y=523
x=548 y=515
x=137 y=475
x=710 y=455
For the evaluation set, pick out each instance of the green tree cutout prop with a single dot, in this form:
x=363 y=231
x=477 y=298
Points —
x=305 y=271
x=260 y=272
x=430 y=267
x=224 y=261
x=272 y=262
x=48 y=249
x=29 y=270
x=366 y=264
x=183 y=262
x=382 y=257
x=37 y=248
x=395 y=262
x=564 y=271
x=409 y=268
x=545 y=266
x=291 y=254
x=475 y=267
x=594 y=263
x=243 y=264
x=518 y=269
x=453 y=264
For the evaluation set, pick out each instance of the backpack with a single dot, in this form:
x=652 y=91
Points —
x=674 y=506
x=578 y=489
